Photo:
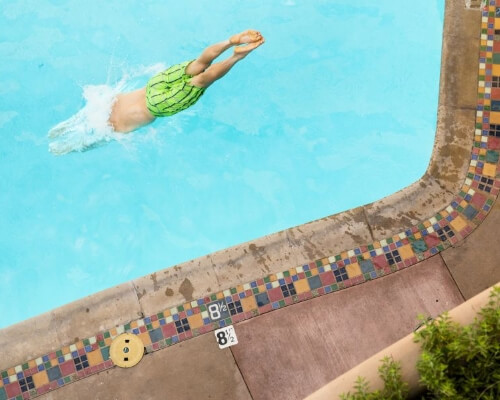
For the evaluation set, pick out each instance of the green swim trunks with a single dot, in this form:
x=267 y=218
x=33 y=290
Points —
x=169 y=92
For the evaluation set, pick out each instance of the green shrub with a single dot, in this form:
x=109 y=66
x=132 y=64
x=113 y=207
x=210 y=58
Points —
x=462 y=362
x=457 y=362
x=394 y=387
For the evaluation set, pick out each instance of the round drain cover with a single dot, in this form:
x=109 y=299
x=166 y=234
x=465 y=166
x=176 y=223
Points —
x=126 y=350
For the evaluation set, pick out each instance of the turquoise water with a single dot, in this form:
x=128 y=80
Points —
x=337 y=109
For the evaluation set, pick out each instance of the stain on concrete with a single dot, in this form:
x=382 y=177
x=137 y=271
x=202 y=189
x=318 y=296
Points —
x=450 y=156
x=357 y=215
x=380 y=222
x=87 y=310
x=156 y=286
x=309 y=251
x=169 y=292
x=409 y=218
x=253 y=247
x=354 y=237
x=141 y=295
x=187 y=289
x=234 y=264
x=258 y=253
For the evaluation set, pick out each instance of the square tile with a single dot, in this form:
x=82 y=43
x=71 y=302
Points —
x=94 y=357
x=169 y=330
x=406 y=251
x=353 y=270
x=314 y=282
x=275 y=294
x=41 y=378
x=13 y=389
x=146 y=339
x=156 y=335
x=218 y=310
x=262 y=299
x=492 y=156
x=195 y=321
x=301 y=286
x=432 y=240
x=489 y=169
x=366 y=266
x=380 y=261
x=470 y=212
x=419 y=246
x=67 y=368
x=478 y=200
x=248 y=303
x=327 y=278
x=54 y=373
x=458 y=224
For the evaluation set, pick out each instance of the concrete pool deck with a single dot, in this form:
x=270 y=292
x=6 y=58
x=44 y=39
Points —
x=304 y=302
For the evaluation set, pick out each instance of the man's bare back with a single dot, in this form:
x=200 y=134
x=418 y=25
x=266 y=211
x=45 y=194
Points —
x=130 y=112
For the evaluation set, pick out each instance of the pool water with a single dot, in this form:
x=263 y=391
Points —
x=335 y=110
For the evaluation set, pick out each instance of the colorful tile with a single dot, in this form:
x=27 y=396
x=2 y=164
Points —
x=301 y=286
x=195 y=321
x=489 y=169
x=41 y=379
x=458 y=224
x=299 y=283
x=95 y=357
x=248 y=303
x=353 y=270
x=406 y=251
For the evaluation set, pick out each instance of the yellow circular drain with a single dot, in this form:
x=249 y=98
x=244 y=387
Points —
x=126 y=350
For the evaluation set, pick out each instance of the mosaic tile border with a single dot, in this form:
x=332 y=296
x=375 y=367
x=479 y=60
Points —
x=168 y=327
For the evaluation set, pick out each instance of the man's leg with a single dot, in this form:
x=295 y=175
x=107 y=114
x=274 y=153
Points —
x=218 y=70
x=214 y=51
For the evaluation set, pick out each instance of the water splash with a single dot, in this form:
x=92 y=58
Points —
x=89 y=127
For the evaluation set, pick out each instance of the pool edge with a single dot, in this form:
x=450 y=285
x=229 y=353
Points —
x=292 y=247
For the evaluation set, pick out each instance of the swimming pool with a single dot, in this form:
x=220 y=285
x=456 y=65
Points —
x=331 y=113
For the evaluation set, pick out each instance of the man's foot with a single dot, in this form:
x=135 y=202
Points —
x=245 y=50
x=248 y=36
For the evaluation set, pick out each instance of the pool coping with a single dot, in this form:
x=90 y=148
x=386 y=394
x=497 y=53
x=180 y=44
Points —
x=317 y=240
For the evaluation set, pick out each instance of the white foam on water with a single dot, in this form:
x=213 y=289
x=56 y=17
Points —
x=89 y=127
